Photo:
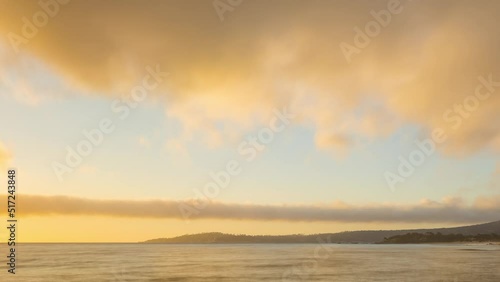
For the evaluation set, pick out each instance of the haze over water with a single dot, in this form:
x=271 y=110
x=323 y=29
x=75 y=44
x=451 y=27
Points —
x=257 y=262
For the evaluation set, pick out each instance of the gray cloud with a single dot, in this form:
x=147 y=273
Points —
x=452 y=210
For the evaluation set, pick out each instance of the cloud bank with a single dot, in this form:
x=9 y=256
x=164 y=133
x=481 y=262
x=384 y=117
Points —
x=269 y=53
x=450 y=210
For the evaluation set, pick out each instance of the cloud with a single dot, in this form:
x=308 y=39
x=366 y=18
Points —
x=26 y=79
x=424 y=62
x=452 y=210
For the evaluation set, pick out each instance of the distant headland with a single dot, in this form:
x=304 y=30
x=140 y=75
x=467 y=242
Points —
x=472 y=233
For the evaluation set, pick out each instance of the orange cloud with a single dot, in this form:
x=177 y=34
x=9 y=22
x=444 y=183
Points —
x=423 y=63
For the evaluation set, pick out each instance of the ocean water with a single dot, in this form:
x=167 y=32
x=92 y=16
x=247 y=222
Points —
x=254 y=262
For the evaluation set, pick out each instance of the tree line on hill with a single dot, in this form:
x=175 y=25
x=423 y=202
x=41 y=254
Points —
x=430 y=237
x=471 y=233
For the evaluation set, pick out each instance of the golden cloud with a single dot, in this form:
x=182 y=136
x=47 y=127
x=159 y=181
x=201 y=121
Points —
x=424 y=62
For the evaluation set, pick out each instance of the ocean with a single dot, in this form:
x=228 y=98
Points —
x=255 y=262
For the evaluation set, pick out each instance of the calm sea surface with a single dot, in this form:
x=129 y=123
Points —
x=264 y=262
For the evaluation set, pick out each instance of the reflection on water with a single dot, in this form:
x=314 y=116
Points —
x=141 y=262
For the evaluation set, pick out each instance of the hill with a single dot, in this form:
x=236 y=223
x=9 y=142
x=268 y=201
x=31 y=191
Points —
x=342 y=237
x=419 y=238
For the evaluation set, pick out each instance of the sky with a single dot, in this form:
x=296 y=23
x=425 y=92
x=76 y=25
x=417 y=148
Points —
x=133 y=120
